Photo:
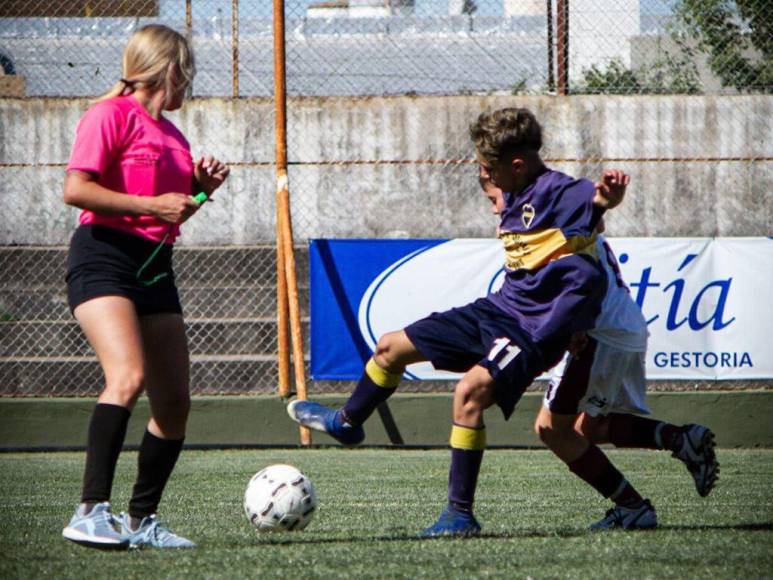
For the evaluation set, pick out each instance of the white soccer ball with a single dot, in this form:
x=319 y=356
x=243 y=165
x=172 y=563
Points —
x=280 y=498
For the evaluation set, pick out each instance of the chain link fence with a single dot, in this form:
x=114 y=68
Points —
x=354 y=162
x=390 y=47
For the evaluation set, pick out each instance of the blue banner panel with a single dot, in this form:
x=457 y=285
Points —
x=341 y=271
x=705 y=300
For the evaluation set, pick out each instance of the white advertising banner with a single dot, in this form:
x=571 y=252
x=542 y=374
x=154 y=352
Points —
x=707 y=301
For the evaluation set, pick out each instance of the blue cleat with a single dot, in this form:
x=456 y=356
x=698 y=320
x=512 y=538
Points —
x=453 y=522
x=320 y=418
x=95 y=529
x=641 y=517
x=152 y=533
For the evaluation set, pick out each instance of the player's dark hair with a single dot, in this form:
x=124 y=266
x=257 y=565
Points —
x=503 y=133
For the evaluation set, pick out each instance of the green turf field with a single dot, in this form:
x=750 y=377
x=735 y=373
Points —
x=372 y=503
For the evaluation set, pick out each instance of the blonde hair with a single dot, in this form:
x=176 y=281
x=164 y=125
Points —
x=156 y=57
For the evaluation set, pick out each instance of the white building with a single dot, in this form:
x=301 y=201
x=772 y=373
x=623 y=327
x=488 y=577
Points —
x=599 y=32
x=525 y=8
x=360 y=8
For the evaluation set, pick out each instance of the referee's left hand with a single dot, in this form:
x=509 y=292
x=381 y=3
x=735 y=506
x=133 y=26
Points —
x=210 y=173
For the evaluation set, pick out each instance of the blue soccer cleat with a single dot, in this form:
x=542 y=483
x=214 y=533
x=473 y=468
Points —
x=95 y=529
x=453 y=522
x=641 y=517
x=152 y=533
x=320 y=418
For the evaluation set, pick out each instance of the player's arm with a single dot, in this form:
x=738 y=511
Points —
x=610 y=189
x=577 y=343
x=82 y=190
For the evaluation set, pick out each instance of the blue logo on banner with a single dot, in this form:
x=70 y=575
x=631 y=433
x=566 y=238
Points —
x=720 y=287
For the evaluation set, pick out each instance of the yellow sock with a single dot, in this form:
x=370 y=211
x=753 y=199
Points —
x=381 y=377
x=468 y=438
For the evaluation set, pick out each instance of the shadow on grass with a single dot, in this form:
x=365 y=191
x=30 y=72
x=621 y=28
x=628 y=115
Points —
x=758 y=527
x=512 y=535
x=415 y=537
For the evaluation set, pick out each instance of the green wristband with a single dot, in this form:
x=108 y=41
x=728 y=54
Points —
x=200 y=197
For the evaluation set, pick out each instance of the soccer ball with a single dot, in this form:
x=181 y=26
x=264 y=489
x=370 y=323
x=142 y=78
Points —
x=279 y=498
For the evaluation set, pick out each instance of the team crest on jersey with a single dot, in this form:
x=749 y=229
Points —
x=527 y=214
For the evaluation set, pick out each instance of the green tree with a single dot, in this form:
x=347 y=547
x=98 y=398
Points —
x=670 y=74
x=616 y=79
x=728 y=31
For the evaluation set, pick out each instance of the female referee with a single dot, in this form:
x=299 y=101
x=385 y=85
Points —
x=132 y=175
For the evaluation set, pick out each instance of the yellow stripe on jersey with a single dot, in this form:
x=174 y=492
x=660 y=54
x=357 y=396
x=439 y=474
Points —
x=535 y=249
x=468 y=438
x=381 y=377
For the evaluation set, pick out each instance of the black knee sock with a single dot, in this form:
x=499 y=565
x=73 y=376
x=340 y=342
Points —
x=156 y=461
x=627 y=430
x=107 y=431
x=467 y=446
x=375 y=386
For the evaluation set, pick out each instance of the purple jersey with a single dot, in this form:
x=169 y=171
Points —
x=554 y=283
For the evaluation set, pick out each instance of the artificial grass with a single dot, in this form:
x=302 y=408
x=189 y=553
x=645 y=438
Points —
x=373 y=502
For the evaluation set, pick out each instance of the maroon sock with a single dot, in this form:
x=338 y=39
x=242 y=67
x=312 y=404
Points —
x=627 y=496
x=595 y=469
x=627 y=430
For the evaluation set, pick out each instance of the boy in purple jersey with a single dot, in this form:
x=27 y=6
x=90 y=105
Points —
x=553 y=288
x=596 y=396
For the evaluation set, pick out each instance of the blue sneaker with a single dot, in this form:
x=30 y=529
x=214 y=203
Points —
x=641 y=517
x=320 y=418
x=453 y=522
x=95 y=529
x=152 y=533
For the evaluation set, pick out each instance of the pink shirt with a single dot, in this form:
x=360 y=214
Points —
x=130 y=152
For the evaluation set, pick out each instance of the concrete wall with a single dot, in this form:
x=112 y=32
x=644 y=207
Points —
x=701 y=166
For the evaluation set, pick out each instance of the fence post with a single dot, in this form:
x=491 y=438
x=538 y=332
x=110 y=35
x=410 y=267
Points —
x=235 y=46
x=280 y=138
x=562 y=49
x=551 y=80
x=287 y=283
x=189 y=36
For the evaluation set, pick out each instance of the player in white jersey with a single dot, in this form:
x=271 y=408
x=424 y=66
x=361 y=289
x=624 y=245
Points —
x=617 y=380
x=600 y=392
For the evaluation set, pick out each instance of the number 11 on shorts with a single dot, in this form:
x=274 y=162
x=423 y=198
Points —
x=503 y=345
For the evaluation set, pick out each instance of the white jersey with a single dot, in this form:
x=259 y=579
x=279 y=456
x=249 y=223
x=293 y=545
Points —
x=621 y=323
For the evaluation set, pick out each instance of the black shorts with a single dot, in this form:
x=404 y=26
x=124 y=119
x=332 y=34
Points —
x=104 y=262
x=482 y=334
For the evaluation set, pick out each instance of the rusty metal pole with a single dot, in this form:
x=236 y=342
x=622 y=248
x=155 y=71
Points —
x=189 y=37
x=287 y=282
x=280 y=134
x=189 y=18
x=551 y=80
x=235 y=46
x=562 y=49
